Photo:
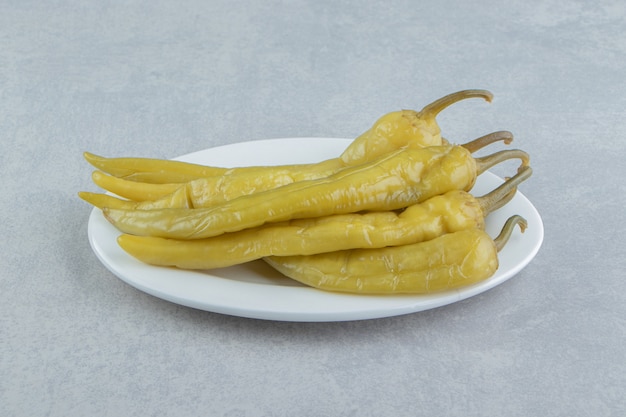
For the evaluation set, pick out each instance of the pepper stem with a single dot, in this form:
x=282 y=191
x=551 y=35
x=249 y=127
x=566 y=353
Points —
x=483 y=141
x=507 y=230
x=486 y=162
x=503 y=193
x=433 y=109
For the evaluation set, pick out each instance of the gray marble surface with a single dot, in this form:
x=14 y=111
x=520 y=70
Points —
x=162 y=78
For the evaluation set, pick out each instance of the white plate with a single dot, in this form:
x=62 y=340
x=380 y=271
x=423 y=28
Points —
x=255 y=290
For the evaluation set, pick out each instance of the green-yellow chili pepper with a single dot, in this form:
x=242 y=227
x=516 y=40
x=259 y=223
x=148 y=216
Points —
x=406 y=128
x=395 y=130
x=450 y=261
x=209 y=191
x=133 y=191
x=446 y=213
x=395 y=181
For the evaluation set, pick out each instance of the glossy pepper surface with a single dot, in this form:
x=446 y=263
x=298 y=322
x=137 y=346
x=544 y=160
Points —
x=405 y=128
x=446 y=213
x=396 y=181
x=133 y=191
x=450 y=261
x=209 y=191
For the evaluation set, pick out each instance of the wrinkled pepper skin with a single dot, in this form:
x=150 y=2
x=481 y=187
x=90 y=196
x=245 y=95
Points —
x=450 y=261
x=206 y=191
x=393 y=131
x=453 y=211
x=447 y=213
x=209 y=191
x=396 y=181
x=405 y=129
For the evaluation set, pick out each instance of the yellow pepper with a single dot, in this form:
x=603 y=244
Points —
x=395 y=181
x=165 y=171
x=151 y=170
x=209 y=191
x=406 y=128
x=133 y=190
x=450 y=261
x=206 y=191
x=446 y=213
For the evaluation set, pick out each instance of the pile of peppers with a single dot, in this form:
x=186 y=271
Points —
x=393 y=213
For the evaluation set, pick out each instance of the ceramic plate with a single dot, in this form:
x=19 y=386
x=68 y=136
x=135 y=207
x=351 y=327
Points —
x=255 y=290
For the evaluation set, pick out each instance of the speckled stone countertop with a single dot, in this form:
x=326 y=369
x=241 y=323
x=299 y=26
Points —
x=162 y=79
